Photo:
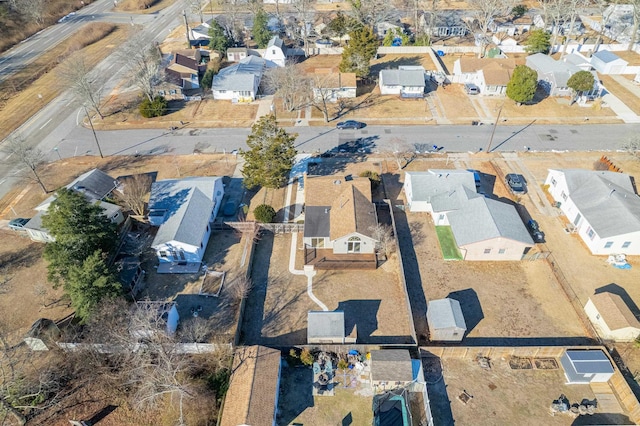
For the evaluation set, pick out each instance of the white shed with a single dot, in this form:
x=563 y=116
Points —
x=607 y=62
x=445 y=320
x=612 y=318
x=586 y=366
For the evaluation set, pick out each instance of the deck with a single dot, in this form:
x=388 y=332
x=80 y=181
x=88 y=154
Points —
x=325 y=259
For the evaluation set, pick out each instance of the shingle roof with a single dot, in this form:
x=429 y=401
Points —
x=323 y=324
x=453 y=199
x=601 y=196
x=559 y=70
x=483 y=219
x=445 y=313
x=414 y=78
x=326 y=78
x=94 y=184
x=253 y=387
x=391 y=365
x=352 y=211
x=277 y=42
x=240 y=76
x=615 y=313
x=496 y=71
x=188 y=203
x=425 y=185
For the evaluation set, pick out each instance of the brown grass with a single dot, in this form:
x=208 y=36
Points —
x=621 y=92
x=28 y=90
x=142 y=6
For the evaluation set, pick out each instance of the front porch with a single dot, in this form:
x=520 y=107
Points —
x=325 y=259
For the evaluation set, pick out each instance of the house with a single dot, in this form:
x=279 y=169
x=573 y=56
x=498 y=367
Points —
x=185 y=70
x=420 y=187
x=339 y=215
x=331 y=86
x=445 y=320
x=511 y=26
x=443 y=23
x=200 y=34
x=503 y=40
x=408 y=83
x=606 y=62
x=579 y=61
x=183 y=210
x=236 y=54
x=95 y=185
x=563 y=27
x=586 y=366
x=612 y=318
x=254 y=386
x=602 y=207
x=553 y=75
x=491 y=75
x=276 y=51
x=240 y=82
x=324 y=327
x=381 y=29
x=390 y=369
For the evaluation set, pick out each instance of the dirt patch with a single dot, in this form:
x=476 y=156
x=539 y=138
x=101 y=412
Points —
x=545 y=363
x=142 y=6
x=518 y=363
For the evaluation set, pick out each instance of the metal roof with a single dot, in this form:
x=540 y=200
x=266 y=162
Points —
x=445 y=313
x=606 y=56
x=402 y=78
x=323 y=324
x=589 y=361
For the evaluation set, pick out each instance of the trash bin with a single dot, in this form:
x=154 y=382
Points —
x=440 y=52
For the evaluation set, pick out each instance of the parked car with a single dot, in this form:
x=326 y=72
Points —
x=534 y=229
x=350 y=124
x=515 y=183
x=18 y=223
x=230 y=208
x=471 y=89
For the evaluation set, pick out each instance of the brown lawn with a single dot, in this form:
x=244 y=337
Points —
x=457 y=104
x=621 y=92
x=632 y=57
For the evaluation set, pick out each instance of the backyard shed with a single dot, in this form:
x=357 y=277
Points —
x=586 y=366
x=327 y=327
x=607 y=62
x=390 y=369
x=446 y=321
x=612 y=318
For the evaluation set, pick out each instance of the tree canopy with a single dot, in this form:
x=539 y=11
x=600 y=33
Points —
x=362 y=47
x=582 y=81
x=270 y=156
x=539 y=41
x=260 y=31
x=220 y=41
x=393 y=34
x=522 y=86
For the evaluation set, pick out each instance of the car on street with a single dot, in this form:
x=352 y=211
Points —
x=515 y=183
x=534 y=229
x=350 y=124
x=18 y=224
x=471 y=89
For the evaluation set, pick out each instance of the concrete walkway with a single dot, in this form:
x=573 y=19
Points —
x=622 y=111
x=264 y=107
x=308 y=271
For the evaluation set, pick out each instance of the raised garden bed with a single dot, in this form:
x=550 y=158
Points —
x=517 y=363
x=545 y=363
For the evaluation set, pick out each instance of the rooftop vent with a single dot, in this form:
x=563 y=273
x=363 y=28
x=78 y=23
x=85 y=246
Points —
x=337 y=182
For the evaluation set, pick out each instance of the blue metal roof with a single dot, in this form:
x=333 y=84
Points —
x=589 y=361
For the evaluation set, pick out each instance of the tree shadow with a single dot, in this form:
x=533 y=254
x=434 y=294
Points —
x=22 y=258
x=297 y=388
x=394 y=63
x=471 y=308
x=97 y=417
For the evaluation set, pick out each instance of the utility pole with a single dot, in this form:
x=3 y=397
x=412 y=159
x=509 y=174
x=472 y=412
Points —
x=94 y=131
x=493 y=132
x=186 y=24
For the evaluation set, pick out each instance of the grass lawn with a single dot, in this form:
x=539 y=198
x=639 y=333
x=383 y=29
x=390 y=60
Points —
x=448 y=243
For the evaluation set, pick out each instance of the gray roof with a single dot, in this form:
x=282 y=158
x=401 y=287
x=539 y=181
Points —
x=277 y=42
x=35 y=222
x=425 y=185
x=559 y=71
x=402 y=78
x=94 y=184
x=606 y=56
x=589 y=361
x=454 y=199
x=576 y=59
x=240 y=76
x=445 y=313
x=317 y=221
x=391 y=365
x=601 y=196
x=323 y=324
x=188 y=204
x=482 y=219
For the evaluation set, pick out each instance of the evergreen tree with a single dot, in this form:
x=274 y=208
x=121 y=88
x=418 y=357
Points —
x=260 y=31
x=219 y=39
x=582 y=81
x=363 y=46
x=207 y=78
x=392 y=35
x=270 y=156
x=522 y=86
x=539 y=41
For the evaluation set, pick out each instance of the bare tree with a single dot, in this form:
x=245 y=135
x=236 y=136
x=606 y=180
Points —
x=31 y=158
x=386 y=242
x=143 y=64
x=288 y=84
x=74 y=73
x=241 y=287
x=134 y=193
x=571 y=16
x=195 y=7
x=31 y=9
x=632 y=146
x=556 y=11
x=305 y=11
x=636 y=23
x=484 y=11
x=371 y=12
x=606 y=13
x=323 y=93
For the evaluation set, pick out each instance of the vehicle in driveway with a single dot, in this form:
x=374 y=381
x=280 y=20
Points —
x=534 y=229
x=515 y=183
x=230 y=208
x=471 y=89
x=350 y=124
x=18 y=224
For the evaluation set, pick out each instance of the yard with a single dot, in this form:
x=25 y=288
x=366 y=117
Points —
x=622 y=93
x=447 y=242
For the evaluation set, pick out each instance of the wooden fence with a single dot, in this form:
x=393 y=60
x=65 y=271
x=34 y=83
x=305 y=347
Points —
x=471 y=352
x=250 y=226
x=625 y=396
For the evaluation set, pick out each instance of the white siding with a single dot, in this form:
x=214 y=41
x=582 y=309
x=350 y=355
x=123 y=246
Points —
x=367 y=245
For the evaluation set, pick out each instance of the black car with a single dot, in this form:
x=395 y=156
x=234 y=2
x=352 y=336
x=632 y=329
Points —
x=18 y=223
x=515 y=183
x=534 y=229
x=350 y=124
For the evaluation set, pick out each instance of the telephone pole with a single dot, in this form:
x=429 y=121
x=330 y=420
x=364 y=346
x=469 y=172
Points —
x=94 y=131
x=493 y=132
x=186 y=24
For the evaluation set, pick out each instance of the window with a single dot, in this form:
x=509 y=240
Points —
x=353 y=245
x=163 y=253
x=222 y=91
x=487 y=251
x=502 y=251
x=317 y=242
x=591 y=233
x=608 y=244
x=564 y=196
x=626 y=244
x=553 y=182
x=273 y=51
x=441 y=217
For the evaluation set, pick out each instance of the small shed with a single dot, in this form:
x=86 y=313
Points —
x=390 y=369
x=612 y=318
x=327 y=327
x=607 y=62
x=586 y=366
x=445 y=320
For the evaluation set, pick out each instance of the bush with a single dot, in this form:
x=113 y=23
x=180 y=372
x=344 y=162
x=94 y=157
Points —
x=373 y=177
x=343 y=364
x=207 y=78
x=264 y=213
x=155 y=108
x=306 y=357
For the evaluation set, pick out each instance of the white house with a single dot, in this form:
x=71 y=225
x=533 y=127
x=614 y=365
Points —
x=183 y=210
x=421 y=187
x=406 y=82
x=240 y=82
x=612 y=318
x=606 y=62
x=235 y=54
x=602 y=206
x=276 y=51
x=553 y=75
x=511 y=26
x=491 y=75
